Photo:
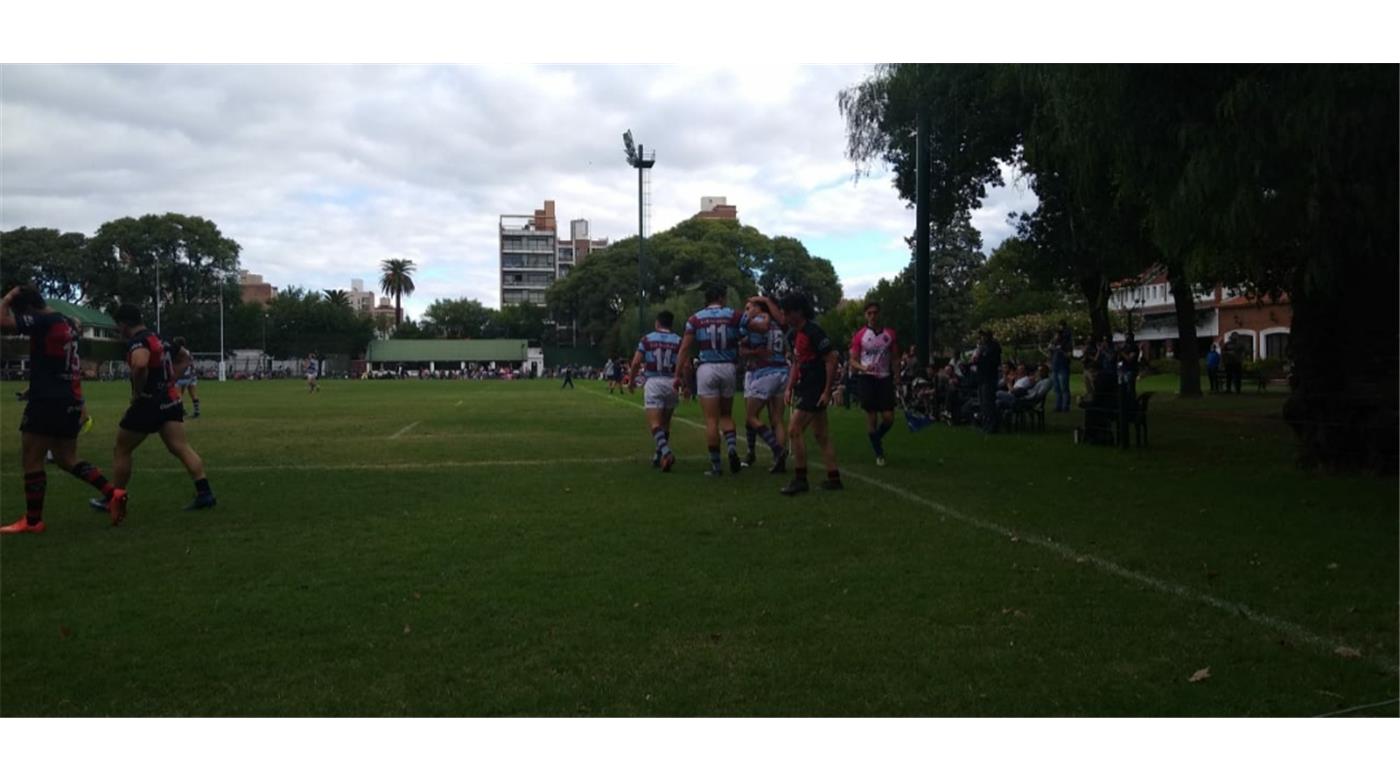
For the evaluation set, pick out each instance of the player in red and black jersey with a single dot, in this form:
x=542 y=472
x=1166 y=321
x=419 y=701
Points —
x=155 y=404
x=53 y=414
x=810 y=379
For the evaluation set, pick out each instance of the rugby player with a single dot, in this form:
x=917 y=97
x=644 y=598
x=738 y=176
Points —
x=155 y=406
x=656 y=354
x=188 y=379
x=53 y=411
x=875 y=355
x=809 y=391
x=313 y=375
x=715 y=331
x=761 y=343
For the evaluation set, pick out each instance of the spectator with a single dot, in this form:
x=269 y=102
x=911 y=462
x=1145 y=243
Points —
x=1213 y=367
x=1234 y=363
x=986 y=359
x=1061 y=350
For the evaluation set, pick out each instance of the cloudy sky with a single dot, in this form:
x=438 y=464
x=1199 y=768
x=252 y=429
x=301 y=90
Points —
x=319 y=172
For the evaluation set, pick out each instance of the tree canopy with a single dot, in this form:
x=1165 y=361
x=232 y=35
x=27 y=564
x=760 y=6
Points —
x=678 y=261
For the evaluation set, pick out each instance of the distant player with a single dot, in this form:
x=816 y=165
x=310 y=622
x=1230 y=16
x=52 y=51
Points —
x=313 y=374
x=763 y=346
x=715 y=330
x=155 y=406
x=53 y=411
x=875 y=355
x=656 y=355
x=809 y=391
x=189 y=379
x=568 y=378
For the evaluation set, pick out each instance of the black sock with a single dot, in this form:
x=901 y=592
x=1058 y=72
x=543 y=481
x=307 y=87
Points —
x=93 y=476
x=201 y=486
x=35 y=483
x=834 y=476
x=800 y=474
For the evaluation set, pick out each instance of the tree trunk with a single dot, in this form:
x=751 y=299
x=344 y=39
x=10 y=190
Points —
x=398 y=309
x=1344 y=401
x=1187 y=352
x=1095 y=290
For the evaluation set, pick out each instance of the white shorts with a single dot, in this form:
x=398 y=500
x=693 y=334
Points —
x=660 y=393
x=715 y=380
x=766 y=386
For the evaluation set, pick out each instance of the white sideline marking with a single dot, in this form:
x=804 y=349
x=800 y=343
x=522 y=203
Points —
x=422 y=466
x=405 y=429
x=1293 y=631
x=459 y=403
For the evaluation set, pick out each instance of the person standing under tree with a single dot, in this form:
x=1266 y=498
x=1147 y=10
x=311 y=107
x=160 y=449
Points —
x=1213 y=367
x=875 y=355
x=809 y=385
x=987 y=359
x=1234 y=363
x=53 y=411
x=1061 y=350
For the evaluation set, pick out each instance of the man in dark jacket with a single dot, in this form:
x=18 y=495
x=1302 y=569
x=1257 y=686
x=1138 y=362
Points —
x=987 y=359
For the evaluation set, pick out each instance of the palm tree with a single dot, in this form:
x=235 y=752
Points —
x=337 y=297
x=396 y=280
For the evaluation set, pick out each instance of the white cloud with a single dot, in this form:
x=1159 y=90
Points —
x=321 y=171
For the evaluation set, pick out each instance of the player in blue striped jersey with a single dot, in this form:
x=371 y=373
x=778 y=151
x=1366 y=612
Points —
x=715 y=331
x=763 y=345
x=656 y=356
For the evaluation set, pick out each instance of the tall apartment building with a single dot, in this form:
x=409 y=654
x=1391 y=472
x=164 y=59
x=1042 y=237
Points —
x=361 y=300
x=529 y=255
x=533 y=255
x=253 y=289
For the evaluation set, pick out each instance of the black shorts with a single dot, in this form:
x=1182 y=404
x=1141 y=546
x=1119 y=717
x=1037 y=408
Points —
x=807 y=396
x=56 y=417
x=147 y=415
x=876 y=393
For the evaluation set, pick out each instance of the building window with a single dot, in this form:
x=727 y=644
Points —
x=1276 y=345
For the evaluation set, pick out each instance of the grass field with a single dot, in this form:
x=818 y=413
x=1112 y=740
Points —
x=457 y=548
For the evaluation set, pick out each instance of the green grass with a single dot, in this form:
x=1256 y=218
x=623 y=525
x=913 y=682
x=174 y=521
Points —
x=350 y=572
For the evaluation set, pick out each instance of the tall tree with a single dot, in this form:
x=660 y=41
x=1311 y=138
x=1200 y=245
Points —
x=396 y=279
x=337 y=297
x=189 y=255
x=463 y=318
x=51 y=261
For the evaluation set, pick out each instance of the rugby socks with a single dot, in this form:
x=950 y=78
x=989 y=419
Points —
x=769 y=438
x=35 y=483
x=800 y=474
x=834 y=476
x=877 y=438
x=663 y=444
x=196 y=407
x=752 y=434
x=201 y=486
x=731 y=441
x=93 y=476
x=714 y=458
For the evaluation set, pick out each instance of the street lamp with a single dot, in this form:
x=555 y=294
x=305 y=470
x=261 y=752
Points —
x=638 y=158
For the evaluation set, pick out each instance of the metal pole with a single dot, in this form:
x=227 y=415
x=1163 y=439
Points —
x=222 y=372
x=641 y=250
x=921 y=231
x=157 y=256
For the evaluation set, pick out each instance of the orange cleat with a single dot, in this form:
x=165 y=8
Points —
x=23 y=526
x=116 y=506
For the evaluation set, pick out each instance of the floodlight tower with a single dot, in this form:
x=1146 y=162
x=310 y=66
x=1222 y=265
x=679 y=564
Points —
x=642 y=160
